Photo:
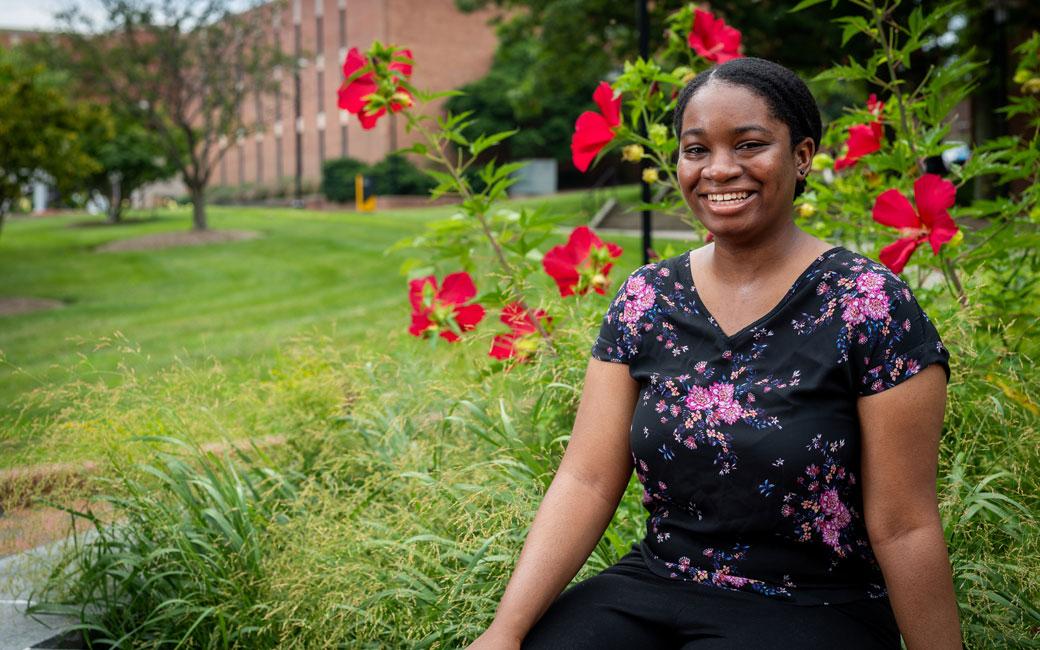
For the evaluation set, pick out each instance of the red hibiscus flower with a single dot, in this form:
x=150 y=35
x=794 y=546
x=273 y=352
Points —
x=355 y=96
x=714 y=39
x=441 y=310
x=934 y=196
x=582 y=263
x=593 y=131
x=522 y=341
x=863 y=138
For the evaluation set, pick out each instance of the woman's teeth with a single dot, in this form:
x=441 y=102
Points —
x=728 y=197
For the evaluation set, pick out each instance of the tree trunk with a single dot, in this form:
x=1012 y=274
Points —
x=115 y=208
x=198 y=202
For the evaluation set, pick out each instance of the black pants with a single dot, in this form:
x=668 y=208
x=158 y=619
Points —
x=627 y=606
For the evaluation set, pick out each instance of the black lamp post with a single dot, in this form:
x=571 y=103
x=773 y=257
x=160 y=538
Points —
x=644 y=52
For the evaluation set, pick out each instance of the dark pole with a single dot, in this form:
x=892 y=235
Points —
x=297 y=19
x=644 y=52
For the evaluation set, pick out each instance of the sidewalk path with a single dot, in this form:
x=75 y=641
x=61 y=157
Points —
x=17 y=579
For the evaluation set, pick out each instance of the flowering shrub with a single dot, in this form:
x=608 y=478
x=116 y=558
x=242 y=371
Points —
x=442 y=310
x=863 y=138
x=373 y=84
x=581 y=264
x=934 y=196
x=522 y=340
x=594 y=130
x=713 y=39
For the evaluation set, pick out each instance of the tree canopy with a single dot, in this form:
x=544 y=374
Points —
x=38 y=131
x=182 y=69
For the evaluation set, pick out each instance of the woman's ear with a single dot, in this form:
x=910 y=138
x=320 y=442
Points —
x=803 y=155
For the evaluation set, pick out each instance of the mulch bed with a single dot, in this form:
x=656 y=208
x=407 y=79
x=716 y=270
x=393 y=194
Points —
x=179 y=238
x=11 y=305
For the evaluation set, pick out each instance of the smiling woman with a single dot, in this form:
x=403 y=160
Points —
x=780 y=400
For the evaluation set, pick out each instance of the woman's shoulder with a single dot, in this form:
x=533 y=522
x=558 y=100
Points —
x=860 y=274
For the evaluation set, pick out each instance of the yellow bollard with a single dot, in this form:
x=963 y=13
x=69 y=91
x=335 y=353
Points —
x=363 y=202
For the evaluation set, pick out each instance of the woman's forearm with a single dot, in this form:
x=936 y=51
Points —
x=916 y=567
x=569 y=523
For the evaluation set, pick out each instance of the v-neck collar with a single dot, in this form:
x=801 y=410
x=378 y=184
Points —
x=732 y=338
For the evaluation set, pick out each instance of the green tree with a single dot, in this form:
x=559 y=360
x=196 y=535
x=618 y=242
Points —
x=500 y=103
x=39 y=131
x=128 y=156
x=573 y=42
x=183 y=69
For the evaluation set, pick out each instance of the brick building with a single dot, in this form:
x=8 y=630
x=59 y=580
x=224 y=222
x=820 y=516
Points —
x=449 y=48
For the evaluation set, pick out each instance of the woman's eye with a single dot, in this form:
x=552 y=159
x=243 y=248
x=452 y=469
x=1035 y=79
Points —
x=749 y=145
x=694 y=150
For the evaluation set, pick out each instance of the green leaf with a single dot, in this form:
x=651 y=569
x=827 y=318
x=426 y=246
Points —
x=485 y=141
x=805 y=4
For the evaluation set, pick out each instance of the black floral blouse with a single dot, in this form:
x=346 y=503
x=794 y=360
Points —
x=748 y=446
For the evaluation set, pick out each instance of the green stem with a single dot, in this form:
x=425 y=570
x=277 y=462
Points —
x=955 y=282
x=900 y=101
x=466 y=194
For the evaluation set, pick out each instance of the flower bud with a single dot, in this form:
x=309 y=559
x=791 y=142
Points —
x=402 y=98
x=685 y=74
x=658 y=134
x=956 y=240
x=805 y=210
x=650 y=175
x=821 y=162
x=632 y=153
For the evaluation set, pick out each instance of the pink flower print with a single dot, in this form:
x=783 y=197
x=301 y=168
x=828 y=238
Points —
x=830 y=534
x=721 y=393
x=647 y=497
x=812 y=470
x=663 y=272
x=870 y=282
x=699 y=399
x=702 y=365
x=639 y=298
x=830 y=502
x=906 y=325
x=684 y=563
x=675 y=410
x=690 y=442
x=727 y=355
x=730 y=412
x=875 y=306
x=786 y=510
x=661 y=407
x=708 y=552
x=853 y=314
x=822 y=288
x=734 y=581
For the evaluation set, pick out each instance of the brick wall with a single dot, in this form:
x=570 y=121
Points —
x=450 y=49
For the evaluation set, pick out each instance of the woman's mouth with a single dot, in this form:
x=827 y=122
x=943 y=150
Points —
x=727 y=198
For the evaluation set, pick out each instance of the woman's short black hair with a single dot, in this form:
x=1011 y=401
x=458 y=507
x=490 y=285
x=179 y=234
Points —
x=788 y=98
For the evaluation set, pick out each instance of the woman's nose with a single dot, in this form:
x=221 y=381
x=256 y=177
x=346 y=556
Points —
x=720 y=168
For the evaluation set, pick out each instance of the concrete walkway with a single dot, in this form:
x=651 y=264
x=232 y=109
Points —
x=19 y=574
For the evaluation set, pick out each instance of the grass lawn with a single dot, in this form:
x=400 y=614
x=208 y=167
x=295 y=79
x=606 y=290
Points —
x=235 y=304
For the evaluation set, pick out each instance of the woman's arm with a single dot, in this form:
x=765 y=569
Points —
x=901 y=428
x=577 y=506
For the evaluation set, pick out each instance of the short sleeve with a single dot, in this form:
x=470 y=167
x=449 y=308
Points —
x=894 y=339
x=619 y=334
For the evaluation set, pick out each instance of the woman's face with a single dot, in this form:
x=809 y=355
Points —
x=736 y=168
